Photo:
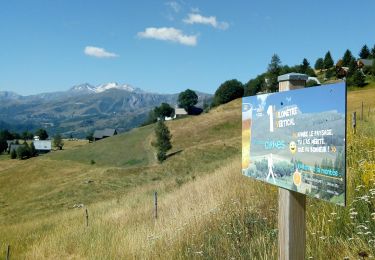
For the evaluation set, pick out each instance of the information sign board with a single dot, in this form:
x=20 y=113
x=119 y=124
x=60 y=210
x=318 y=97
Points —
x=296 y=140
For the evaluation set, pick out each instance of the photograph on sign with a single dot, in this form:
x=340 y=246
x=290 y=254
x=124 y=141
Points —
x=296 y=140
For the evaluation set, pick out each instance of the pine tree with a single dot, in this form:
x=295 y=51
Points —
x=347 y=58
x=305 y=66
x=319 y=64
x=352 y=67
x=273 y=71
x=373 y=52
x=365 y=52
x=163 y=140
x=328 y=61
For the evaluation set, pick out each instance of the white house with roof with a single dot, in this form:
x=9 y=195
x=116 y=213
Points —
x=43 y=146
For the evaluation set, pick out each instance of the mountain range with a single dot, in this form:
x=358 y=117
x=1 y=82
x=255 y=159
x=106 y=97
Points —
x=82 y=109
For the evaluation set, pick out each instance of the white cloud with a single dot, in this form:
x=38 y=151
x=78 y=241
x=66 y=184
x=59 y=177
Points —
x=210 y=20
x=176 y=7
x=99 y=52
x=168 y=34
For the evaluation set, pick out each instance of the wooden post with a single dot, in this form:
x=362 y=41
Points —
x=292 y=205
x=292 y=225
x=354 y=121
x=8 y=253
x=362 y=112
x=368 y=116
x=156 y=204
x=87 y=217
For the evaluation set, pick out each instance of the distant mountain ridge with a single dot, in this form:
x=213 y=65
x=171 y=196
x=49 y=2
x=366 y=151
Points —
x=82 y=108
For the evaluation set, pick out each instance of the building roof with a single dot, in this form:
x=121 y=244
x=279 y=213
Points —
x=180 y=111
x=108 y=132
x=314 y=79
x=42 y=145
x=292 y=76
x=366 y=62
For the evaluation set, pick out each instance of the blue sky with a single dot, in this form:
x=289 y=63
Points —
x=169 y=46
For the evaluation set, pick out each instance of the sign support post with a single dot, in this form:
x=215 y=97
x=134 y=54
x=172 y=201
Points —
x=292 y=207
x=295 y=140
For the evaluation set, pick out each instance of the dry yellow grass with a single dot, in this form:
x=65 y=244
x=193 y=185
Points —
x=126 y=229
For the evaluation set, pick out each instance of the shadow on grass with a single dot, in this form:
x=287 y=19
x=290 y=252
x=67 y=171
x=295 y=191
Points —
x=174 y=153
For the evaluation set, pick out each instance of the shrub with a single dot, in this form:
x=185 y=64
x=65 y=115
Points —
x=228 y=91
x=13 y=154
x=23 y=152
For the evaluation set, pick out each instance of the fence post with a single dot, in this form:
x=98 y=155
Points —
x=362 y=112
x=156 y=204
x=354 y=121
x=292 y=205
x=8 y=253
x=368 y=113
x=87 y=217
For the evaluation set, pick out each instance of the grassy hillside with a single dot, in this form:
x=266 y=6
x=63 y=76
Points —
x=207 y=209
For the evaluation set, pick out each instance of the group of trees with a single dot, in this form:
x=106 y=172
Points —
x=24 y=151
x=25 y=135
x=348 y=66
x=267 y=82
x=186 y=99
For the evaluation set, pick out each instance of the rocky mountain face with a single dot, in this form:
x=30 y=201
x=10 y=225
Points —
x=82 y=109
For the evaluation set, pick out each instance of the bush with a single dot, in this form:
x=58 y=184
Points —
x=329 y=73
x=164 y=110
x=357 y=80
x=13 y=154
x=23 y=152
x=90 y=137
x=3 y=145
x=228 y=91
x=311 y=83
x=253 y=86
x=32 y=150
x=58 y=142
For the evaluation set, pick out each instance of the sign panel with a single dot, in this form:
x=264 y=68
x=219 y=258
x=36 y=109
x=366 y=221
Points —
x=296 y=140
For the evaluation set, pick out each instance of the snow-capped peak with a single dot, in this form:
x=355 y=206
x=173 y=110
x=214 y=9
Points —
x=114 y=85
x=103 y=87
x=83 y=87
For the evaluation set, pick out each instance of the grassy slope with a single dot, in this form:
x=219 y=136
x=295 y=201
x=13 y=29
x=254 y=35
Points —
x=52 y=184
x=220 y=215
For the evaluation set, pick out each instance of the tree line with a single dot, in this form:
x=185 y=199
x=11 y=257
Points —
x=348 y=67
